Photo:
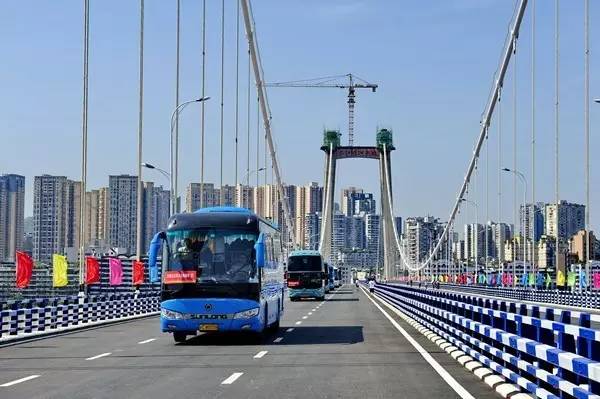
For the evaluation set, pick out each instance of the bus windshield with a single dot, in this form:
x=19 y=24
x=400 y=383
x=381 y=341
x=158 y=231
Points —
x=305 y=264
x=214 y=256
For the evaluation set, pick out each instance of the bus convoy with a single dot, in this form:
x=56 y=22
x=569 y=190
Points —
x=222 y=270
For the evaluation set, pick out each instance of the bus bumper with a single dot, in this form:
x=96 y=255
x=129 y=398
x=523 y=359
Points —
x=307 y=293
x=210 y=314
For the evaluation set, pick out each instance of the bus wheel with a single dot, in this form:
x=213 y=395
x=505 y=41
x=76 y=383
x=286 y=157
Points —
x=179 y=336
x=275 y=326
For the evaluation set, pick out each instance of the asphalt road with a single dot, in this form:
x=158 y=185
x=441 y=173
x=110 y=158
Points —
x=344 y=347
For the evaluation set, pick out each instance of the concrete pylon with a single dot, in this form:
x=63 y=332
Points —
x=331 y=141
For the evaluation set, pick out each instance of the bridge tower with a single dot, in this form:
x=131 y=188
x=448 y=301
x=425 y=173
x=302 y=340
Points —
x=333 y=152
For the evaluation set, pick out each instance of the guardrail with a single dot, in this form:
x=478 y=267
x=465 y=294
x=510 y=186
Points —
x=49 y=316
x=546 y=357
x=584 y=299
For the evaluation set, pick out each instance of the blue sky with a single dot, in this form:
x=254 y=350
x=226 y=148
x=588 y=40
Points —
x=433 y=61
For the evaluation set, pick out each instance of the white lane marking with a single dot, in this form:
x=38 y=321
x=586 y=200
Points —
x=314 y=310
x=310 y=313
x=260 y=354
x=231 y=379
x=20 y=380
x=459 y=389
x=278 y=340
x=146 y=341
x=298 y=323
x=304 y=317
x=99 y=356
x=289 y=330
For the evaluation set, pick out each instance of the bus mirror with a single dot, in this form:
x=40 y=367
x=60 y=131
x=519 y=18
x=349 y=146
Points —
x=259 y=248
x=153 y=251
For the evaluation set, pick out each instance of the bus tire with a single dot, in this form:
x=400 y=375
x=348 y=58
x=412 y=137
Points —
x=179 y=336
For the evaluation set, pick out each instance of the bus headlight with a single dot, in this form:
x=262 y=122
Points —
x=247 y=314
x=170 y=314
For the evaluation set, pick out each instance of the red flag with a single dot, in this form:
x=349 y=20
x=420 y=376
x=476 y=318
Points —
x=138 y=272
x=92 y=275
x=24 y=269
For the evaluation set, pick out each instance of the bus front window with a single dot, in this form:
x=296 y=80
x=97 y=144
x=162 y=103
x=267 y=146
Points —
x=216 y=256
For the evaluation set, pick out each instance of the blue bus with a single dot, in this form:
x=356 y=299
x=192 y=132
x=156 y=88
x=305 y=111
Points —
x=221 y=271
x=306 y=275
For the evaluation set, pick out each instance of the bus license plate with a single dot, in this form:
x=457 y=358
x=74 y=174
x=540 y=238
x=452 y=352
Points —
x=209 y=327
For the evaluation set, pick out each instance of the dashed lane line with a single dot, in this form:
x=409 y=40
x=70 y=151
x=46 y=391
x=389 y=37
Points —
x=304 y=317
x=231 y=379
x=298 y=323
x=20 y=380
x=260 y=354
x=289 y=329
x=99 y=356
x=278 y=340
x=147 y=341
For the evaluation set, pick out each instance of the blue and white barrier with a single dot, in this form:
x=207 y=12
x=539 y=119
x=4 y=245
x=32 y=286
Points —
x=546 y=357
x=56 y=315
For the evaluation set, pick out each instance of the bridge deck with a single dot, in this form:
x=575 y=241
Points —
x=345 y=349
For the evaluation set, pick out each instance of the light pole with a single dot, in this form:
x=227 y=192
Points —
x=250 y=172
x=174 y=170
x=476 y=234
x=524 y=181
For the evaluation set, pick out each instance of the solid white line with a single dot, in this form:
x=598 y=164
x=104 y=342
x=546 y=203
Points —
x=260 y=354
x=459 y=389
x=231 y=379
x=304 y=317
x=99 y=356
x=20 y=380
x=289 y=330
x=278 y=340
x=146 y=341
x=298 y=323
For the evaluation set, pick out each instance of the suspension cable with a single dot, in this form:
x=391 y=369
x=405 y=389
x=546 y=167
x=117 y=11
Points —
x=202 y=105
x=237 y=89
x=556 y=127
x=222 y=193
x=533 y=204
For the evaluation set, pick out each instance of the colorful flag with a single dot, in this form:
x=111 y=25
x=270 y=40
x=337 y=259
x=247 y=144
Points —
x=494 y=279
x=560 y=278
x=510 y=279
x=548 y=280
x=583 y=283
x=539 y=279
x=504 y=278
x=92 y=275
x=155 y=246
x=138 y=272
x=596 y=278
x=524 y=279
x=571 y=277
x=24 y=269
x=59 y=270
x=116 y=271
x=531 y=279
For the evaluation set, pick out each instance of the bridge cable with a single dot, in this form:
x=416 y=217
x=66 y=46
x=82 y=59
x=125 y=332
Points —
x=556 y=127
x=237 y=88
x=587 y=137
x=514 y=166
x=222 y=192
x=138 y=251
x=500 y=250
x=175 y=159
x=533 y=205
x=248 y=103
x=202 y=105
x=84 y=138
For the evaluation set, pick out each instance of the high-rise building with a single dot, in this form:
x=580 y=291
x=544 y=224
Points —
x=243 y=196
x=474 y=241
x=155 y=212
x=531 y=220
x=227 y=195
x=312 y=229
x=122 y=212
x=96 y=217
x=374 y=244
x=258 y=199
x=12 y=215
x=500 y=233
x=420 y=237
x=355 y=201
x=578 y=246
x=50 y=213
x=309 y=199
x=192 y=196
x=72 y=214
x=571 y=219
x=355 y=234
x=338 y=234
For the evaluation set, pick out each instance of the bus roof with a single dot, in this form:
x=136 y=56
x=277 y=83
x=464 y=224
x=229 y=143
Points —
x=225 y=216
x=235 y=209
x=305 y=252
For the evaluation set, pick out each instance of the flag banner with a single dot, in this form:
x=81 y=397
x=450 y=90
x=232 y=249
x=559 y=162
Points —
x=548 y=280
x=116 y=271
x=138 y=272
x=59 y=270
x=156 y=242
x=92 y=270
x=583 y=283
x=24 y=269
x=531 y=281
x=493 y=279
x=560 y=278
x=596 y=278
x=489 y=279
x=539 y=279
x=504 y=278
x=571 y=277
x=510 y=279
x=524 y=279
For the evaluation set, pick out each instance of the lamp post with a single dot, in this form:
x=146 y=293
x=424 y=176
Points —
x=477 y=235
x=524 y=181
x=174 y=170
x=247 y=175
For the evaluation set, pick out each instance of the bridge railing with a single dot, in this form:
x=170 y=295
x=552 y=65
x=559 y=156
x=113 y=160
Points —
x=46 y=316
x=546 y=355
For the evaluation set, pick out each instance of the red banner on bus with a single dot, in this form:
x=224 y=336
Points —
x=180 y=277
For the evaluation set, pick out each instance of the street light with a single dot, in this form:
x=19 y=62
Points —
x=174 y=168
x=161 y=171
x=597 y=100
x=477 y=233
x=247 y=175
x=524 y=181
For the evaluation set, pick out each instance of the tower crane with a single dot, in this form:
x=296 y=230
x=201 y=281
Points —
x=347 y=81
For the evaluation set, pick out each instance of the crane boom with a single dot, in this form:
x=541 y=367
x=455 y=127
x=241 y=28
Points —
x=333 y=82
